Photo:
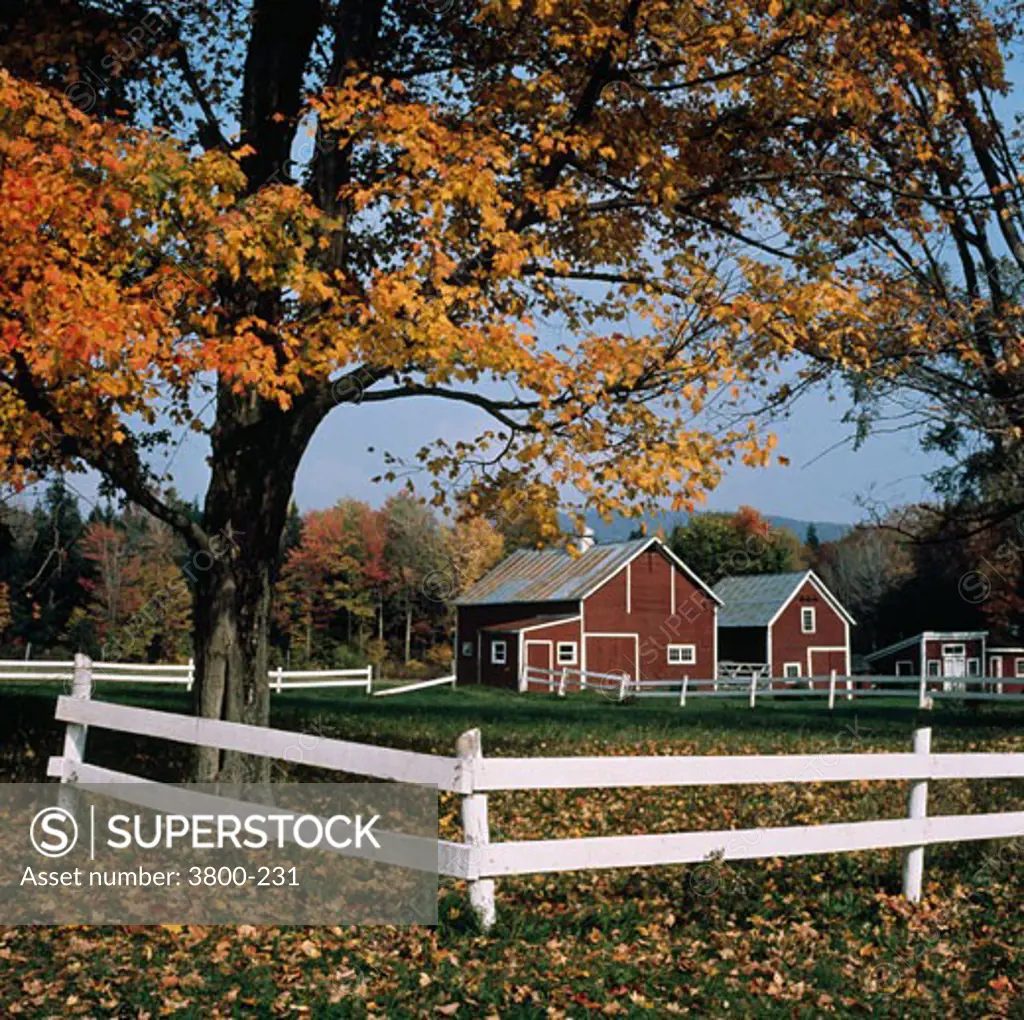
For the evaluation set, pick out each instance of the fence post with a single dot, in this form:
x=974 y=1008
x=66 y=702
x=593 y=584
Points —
x=369 y=679
x=583 y=680
x=922 y=692
x=832 y=690
x=523 y=683
x=682 y=695
x=623 y=683
x=191 y=674
x=76 y=734
x=561 y=682
x=849 y=688
x=278 y=676
x=475 y=827
x=753 y=688
x=917 y=807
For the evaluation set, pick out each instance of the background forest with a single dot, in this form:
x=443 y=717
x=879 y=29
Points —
x=360 y=584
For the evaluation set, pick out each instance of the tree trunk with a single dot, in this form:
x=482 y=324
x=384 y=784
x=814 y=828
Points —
x=256 y=452
x=232 y=616
x=408 y=633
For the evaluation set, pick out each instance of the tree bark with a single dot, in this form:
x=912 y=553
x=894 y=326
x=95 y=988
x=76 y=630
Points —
x=408 y=633
x=257 y=448
x=232 y=614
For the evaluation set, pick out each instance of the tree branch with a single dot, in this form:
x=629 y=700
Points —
x=120 y=462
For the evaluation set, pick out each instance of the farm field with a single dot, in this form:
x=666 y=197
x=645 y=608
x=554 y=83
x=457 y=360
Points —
x=800 y=937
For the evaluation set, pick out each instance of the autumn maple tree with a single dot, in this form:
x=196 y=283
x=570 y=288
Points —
x=334 y=575
x=137 y=602
x=551 y=210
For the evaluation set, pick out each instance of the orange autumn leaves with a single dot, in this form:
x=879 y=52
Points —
x=113 y=244
x=513 y=232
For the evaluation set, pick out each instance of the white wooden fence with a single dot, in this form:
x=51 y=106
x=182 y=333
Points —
x=311 y=679
x=474 y=777
x=281 y=680
x=182 y=674
x=755 y=687
x=102 y=672
x=564 y=681
x=419 y=685
x=743 y=670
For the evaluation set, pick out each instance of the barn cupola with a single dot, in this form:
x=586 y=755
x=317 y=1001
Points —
x=586 y=540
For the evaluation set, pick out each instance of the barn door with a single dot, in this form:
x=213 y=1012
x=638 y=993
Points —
x=823 y=661
x=616 y=654
x=540 y=656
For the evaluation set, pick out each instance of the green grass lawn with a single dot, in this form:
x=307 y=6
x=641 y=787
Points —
x=798 y=937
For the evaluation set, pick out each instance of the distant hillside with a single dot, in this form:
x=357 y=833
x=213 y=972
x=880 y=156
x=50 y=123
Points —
x=620 y=528
x=828 y=531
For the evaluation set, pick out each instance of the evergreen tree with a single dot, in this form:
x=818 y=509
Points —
x=813 y=543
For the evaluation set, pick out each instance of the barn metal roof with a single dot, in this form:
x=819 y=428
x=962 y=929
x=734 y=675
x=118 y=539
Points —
x=551 y=575
x=533 y=622
x=932 y=635
x=753 y=601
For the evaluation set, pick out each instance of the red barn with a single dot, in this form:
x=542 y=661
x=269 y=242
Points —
x=932 y=653
x=782 y=625
x=627 y=607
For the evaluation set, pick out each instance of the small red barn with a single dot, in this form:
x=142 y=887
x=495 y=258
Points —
x=932 y=653
x=783 y=625
x=626 y=607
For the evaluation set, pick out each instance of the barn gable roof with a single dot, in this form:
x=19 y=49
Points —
x=931 y=635
x=553 y=575
x=532 y=623
x=755 y=600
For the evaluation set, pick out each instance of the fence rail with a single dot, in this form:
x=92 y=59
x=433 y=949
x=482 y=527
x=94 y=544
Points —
x=312 y=679
x=102 y=672
x=754 y=685
x=565 y=680
x=182 y=674
x=420 y=685
x=832 y=687
x=474 y=777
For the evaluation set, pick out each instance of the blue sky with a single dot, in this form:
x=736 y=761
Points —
x=826 y=479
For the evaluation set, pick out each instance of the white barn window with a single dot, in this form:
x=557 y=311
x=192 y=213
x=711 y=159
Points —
x=933 y=667
x=566 y=653
x=499 y=653
x=791 y=670
x=808 y=620
x=682 y=655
